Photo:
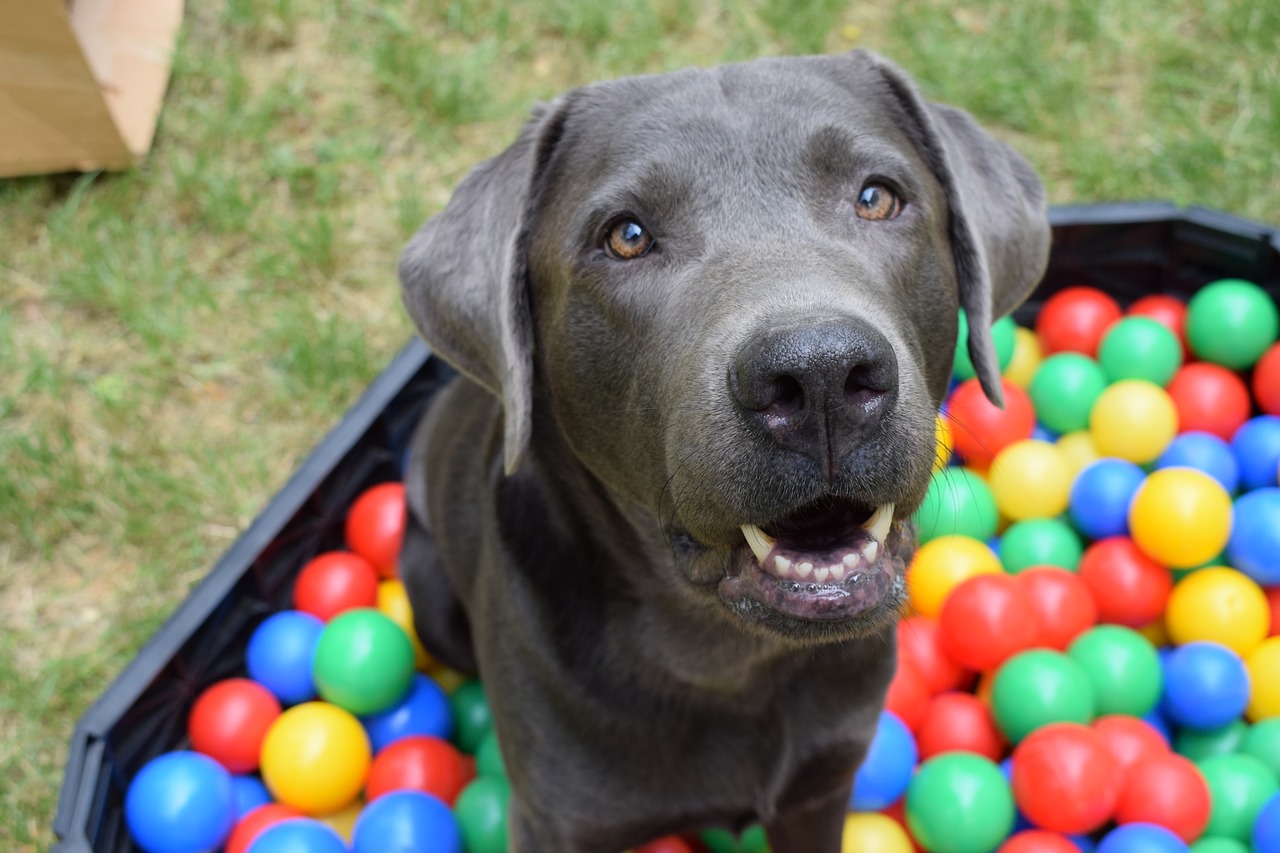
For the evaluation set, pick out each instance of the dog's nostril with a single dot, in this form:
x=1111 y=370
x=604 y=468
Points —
x=787 y=395
x=861 y=391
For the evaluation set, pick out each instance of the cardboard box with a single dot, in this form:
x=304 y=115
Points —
x=81 y=81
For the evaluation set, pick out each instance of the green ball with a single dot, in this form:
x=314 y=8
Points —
x=1239 y=786
x=1262 y=741
x=1199 y=745
x=752 y=840
x=1064 y=389
x=1231 y=322
x=1040 y=542
x=958 y=501
x=959 y=802
x=1003 y=333
x=363 y=661
x=1038 y=687
x=489 y=757
x=481 y=810
x=1123 y=667
x=472 y=719
x=1219 y=845
x=1140 y=348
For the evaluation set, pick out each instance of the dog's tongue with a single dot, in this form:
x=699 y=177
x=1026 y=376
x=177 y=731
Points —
x=825 y=547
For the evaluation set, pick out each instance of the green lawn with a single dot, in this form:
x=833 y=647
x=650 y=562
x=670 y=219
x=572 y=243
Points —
x=175 y=339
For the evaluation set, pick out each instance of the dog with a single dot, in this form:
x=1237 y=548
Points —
x=703 y=322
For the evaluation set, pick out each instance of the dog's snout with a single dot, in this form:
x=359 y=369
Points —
x=817 y=388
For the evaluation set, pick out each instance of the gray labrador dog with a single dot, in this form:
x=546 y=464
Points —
x=704 y=321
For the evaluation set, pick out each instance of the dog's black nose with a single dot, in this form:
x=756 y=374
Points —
x=817 y=388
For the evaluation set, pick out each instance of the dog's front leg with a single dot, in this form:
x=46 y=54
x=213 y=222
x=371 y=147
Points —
x=813 y=827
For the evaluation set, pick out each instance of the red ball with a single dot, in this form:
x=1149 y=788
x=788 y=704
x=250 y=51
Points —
x=920 y=645
x=1129 y=587
x=255 y=822
x=669 y=844
x=420 y=763
x=1209 y=398
x=229 y=721
x=334 y=582
x=1065 y=779
x=1266 y=380
x=1060 y=603
x=1037 y=841
x=1075 y=319
x=1166 y=790
x=908 y=695
x=959 y=722
x=1168 y=311
x=979 y=429
x=1129 y=739
x=986 y=620
x=898 y=813
x=1273 y=602
x=375 y=526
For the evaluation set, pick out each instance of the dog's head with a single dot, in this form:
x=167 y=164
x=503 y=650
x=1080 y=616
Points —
x=735 y=294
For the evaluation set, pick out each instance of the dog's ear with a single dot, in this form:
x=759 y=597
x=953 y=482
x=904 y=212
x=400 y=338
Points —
x=999 y=227
x=463 y=276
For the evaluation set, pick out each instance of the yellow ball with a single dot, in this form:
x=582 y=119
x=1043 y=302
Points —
x=393 y=601
x=1221 y=605
x=1156 y=633
x=344 y=820
x=1133 y=419
x=1077 y=448
x=1263 y=664
x=871 y=832
x=1030 y=479
x=942 y=454
x=1026 y=357
x=1180 y=517
x=315 y=757
x=943 y=563
x=448 y=679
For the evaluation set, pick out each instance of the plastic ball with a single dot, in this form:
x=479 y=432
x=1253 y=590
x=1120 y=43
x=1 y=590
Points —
x=1166 y=790
x=959 y=502
x=891 y=760
x=363 y=662
x=1221 y=605
x=942 y=564
x=1026 y=357
x=1141 y=838
x=407 y=822
x=394 y=602
x=1209 y=398
x=1040 y=542
x=249 y=792
x=1168 y=311
x=472 y=719
x=333 y=582
x=1065 y=779
x=1129 y=739
x=229 y=721
x=424 y=710
x=1231 y=322
x=943 y=441
x=481 y=811
x=180 y=802
x=908 y=695
x=1206 y=685
x=1100 y=497
x=1263 y=664
x=874 y=833
x=1123 y=668
x=1256 y=445
x=920 y=646
x=1262 y=741
x=666 y=844
x=1064 y=390
x=1180 y=517
x=1239 y=786
x=1140 y=348
x=1060 y=604
x=1254 y=546
x=1200 y=744
x=1128 y=586
x=1038 y=687
x=957 y=721
x=1074 y=319
x=489 y=757
x=1038 y=841
x=1265 y=382
x=1133 y=419
x=298 y=835
x=343 y=821
x=1079 y=451
x=375 y=526
x=280 y=652
x=1030 y=479
x=752 y=840
x=256 y=822
x=980 y=429
x=1002 y=334
x=985 y=620
x=316 y=757
x=959 y=803
x=420 y=763
x=1219 y=845
x=1205 y=452
x=1266 y=829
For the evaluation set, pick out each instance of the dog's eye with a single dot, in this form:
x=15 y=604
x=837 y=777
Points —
x=627 y=240
x=876 y=202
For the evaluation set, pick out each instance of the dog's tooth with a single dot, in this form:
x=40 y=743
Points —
x=870 y=550
x=837 y=573
x=759 y=541
x=804 y=569
x=851 y=560
x=878 y=524
x=820 y=574
x=782 y=566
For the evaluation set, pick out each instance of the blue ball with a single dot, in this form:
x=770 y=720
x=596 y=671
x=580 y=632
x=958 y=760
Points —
x=1083 y=843
x=1158 y=720
x=180 y=802
x=1257 y=448
x=1100 y=497
x=1141 y=838
x=1266 y=829
x=1206 y=685
x=249 y=793
x=298 y=835
x=887 y=769
x=423 y=711
x=406 y=822
x=1205 y=452
x=280 y=652
x=1254 y=546
x=1043 y=433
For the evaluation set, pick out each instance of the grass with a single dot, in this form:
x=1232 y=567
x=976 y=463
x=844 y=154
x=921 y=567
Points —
x=176 y=338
